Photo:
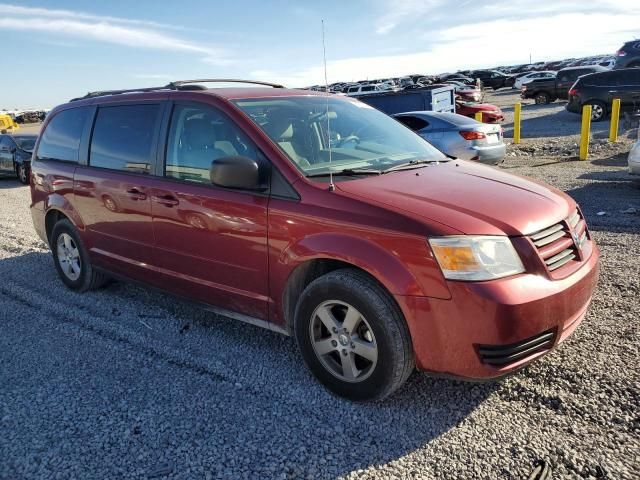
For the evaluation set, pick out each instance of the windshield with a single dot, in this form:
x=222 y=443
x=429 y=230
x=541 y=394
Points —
x=26 y=143
x=360 y=136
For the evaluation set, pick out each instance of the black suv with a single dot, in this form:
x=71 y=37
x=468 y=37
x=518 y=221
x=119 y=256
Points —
x=490 y=78
x=628 y=56
x=15 y=155
x=599 y=90
x=546 y=90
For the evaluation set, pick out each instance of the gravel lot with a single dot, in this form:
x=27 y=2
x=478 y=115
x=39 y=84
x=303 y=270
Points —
x=129 y=383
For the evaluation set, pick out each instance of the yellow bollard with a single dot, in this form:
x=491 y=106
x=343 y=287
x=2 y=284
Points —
x=516 y=122
x=478 y=116
x=615 y=120
x=584 y=133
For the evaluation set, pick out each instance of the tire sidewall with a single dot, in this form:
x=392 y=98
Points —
x=604 y=111
x=19 y=169
x=82 y=282
x=374 y=309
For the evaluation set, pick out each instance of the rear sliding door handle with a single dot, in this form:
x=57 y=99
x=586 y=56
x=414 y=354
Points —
x=166 y=200
x=136 y=194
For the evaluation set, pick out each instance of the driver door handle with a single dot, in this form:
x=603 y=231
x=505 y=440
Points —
x=166 y=200
x=136 y=194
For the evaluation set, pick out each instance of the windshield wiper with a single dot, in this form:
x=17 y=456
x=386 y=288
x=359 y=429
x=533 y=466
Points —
x=411 y=165
x=347 y=171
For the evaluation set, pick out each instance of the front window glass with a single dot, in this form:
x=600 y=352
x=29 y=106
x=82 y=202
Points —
x=197 y=137
x=26 y=143
x=359 y=136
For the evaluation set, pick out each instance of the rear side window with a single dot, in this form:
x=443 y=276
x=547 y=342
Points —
x=123 y=138
x=61 y=139
x=413 y=123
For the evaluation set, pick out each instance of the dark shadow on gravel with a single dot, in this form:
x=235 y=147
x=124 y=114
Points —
x=8 y=182
x=611 y=192
x=163 y=390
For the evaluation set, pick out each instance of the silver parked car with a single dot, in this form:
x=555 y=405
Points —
x=458 y=136
x=634 y=159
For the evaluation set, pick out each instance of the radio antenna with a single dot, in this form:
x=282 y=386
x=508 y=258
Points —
x=332 y=187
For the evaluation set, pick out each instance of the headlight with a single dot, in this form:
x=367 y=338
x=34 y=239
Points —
x=476 y=258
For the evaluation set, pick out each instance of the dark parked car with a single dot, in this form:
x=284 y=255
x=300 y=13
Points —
x=15 y=155
x=599 y=90
x=550 y=90
x=490 y=78
x=628 y=56
x=317 y=216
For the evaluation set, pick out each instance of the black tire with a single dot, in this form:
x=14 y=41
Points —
x=22 y=172
x=542 y=98
x=598 y=110
x=395 y=357
x=89 y=278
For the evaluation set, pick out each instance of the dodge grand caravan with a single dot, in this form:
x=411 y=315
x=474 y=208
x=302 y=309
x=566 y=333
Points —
x=315 y=216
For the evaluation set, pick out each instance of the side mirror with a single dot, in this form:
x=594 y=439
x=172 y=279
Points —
x=235 y=172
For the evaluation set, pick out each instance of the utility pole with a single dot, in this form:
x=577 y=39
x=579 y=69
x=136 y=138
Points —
x=529 y=59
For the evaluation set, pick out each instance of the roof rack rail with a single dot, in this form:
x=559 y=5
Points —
x=179 y=83
x=102 y=93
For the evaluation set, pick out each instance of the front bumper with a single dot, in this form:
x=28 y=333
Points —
x=449 y=335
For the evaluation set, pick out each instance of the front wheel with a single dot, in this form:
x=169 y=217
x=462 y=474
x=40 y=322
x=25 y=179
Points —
x=22 y=172
x=352 y=336
x=542 y=98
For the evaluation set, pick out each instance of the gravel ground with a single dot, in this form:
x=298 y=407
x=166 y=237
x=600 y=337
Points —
x=128 y=383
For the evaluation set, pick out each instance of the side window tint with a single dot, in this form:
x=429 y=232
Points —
x=123 y=138
x=199 y=135
x=413 y=123
x=61 y=139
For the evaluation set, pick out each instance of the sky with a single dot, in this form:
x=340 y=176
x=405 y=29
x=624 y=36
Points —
x=55 y=50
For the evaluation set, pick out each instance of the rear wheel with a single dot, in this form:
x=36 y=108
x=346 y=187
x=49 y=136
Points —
x=542 y=98
x=72 y=260
x=598 y=111
x=22 y=172
x=352 y=336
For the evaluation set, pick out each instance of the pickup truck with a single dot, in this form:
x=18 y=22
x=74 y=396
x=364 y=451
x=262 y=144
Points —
x=551 y=89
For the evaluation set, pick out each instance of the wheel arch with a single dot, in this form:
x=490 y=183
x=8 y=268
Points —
x=54 y=215
x=310 y=263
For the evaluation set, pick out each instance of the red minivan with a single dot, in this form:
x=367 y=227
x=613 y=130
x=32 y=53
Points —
x=317 y=216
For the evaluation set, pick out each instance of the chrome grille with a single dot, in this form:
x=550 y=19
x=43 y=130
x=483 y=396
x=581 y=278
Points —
x=556 y=244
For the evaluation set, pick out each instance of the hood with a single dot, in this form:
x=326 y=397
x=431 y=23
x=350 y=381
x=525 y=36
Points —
x=468 y=197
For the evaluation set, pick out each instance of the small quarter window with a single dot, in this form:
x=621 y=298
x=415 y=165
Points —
x=123 y=138
x=61 y=138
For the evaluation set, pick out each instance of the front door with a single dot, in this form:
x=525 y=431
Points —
x=111 y=193
x=6 y=154
x=211 y=242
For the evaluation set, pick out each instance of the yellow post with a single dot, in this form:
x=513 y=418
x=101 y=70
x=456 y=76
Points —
x=478 y=116
x=516 y=122
x=615 y=120
x=584 y=133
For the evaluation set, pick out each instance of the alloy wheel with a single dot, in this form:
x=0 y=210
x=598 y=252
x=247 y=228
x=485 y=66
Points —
x=22 y=173
x=596 y=111
x=69 y=257
x=343 y=341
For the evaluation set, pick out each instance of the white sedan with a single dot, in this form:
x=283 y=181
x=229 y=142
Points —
x=529 y=77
